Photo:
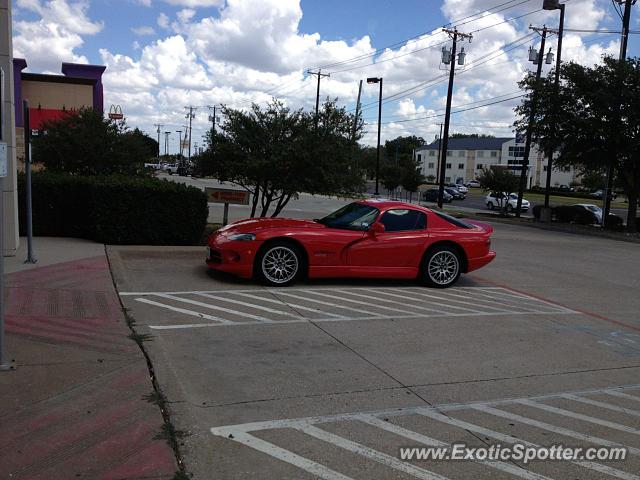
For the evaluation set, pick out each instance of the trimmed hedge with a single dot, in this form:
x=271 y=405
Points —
x=114 y=209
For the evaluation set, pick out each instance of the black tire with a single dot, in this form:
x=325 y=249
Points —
x=490 y=205
x=509 y=208
x=279 y=264
x=434 y=264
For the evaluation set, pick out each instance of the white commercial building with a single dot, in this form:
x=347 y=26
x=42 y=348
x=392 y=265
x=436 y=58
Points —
x=467 y=157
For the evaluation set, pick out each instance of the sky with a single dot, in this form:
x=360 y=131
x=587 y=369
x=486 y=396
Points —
x=163 y=55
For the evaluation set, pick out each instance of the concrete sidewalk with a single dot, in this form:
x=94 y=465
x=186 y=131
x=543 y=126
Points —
x=74 y=407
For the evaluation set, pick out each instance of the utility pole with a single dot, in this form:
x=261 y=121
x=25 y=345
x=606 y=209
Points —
x=319 y=74
x=532 y=113
x=355 y=121
x=449 y=57
x=554 y=6
x=166 y=142
x=158 y=126
x=190 y=116
x=626 y=18
x=439 y=150
x=179 y=132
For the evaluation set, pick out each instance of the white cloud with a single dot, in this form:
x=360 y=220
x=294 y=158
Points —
x=55 y=37
x=196 y=3
x=249 y=50
x=163 y=21
x=143 y=31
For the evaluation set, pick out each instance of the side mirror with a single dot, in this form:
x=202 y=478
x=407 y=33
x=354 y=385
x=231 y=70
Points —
x=377 y=228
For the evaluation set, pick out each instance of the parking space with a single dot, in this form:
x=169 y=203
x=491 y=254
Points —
x=376 y=437
x=329 y=379
x=291 y=305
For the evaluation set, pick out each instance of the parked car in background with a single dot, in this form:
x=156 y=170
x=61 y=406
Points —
x=600 y=194
x=497 y=200
x=455 y=193
x=565 y=188
x=596 y=210
x=170 y=168
x=473 y=184
x=431 y=195
x=460 y=187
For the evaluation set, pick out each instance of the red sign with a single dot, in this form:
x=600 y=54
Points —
x=227 y=195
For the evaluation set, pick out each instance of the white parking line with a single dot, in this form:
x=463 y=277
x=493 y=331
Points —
x=382 y=420
x=369 y=453
x=553 y=428
x=297 y=305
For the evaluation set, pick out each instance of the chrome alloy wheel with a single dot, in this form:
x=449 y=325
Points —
x=443 y=267
x=280 y=264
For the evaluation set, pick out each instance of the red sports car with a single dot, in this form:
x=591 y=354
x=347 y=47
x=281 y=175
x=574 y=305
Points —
x=366 y=239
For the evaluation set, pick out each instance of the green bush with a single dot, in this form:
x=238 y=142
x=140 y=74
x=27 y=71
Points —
x=114 y=209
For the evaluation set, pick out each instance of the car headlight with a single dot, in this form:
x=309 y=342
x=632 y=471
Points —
x=243 y=237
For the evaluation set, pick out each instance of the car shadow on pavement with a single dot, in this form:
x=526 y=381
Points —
x=230 y=279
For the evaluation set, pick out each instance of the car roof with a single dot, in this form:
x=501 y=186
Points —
x=385 y=203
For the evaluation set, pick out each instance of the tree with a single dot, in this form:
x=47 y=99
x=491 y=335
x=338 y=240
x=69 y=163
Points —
x=471 y=135
x=391 y=177
x=411 y=180
x=499 y=180
x=275 y=153
x=596 y=118
x=84 y=142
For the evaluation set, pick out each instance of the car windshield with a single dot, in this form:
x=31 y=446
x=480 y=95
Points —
x=593 y=208
x=355 y=216
x=513 y=196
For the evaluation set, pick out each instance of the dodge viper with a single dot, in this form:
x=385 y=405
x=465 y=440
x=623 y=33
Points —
x=366 y=239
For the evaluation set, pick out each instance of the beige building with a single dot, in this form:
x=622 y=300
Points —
x=51 y=97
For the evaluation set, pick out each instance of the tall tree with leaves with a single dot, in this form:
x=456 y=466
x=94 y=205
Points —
x=275 y=153
x=84 y=142
x=596 y=118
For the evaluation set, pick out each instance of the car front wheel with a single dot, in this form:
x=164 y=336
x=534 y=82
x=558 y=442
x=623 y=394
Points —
x=490 y=205
x=441 y=267
x=278 y=265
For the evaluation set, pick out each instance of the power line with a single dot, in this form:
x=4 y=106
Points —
x=452 y=112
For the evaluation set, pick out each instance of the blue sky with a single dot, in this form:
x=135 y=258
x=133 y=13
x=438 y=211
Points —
x=164 y=54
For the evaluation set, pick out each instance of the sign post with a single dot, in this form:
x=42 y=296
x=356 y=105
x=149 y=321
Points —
x=27 y=171
x=227 y=196
x=4 y=160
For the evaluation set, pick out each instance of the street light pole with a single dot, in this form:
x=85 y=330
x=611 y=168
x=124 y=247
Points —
x=532 y=113
x=378 y=80
x=552 y=6
x=179 y=132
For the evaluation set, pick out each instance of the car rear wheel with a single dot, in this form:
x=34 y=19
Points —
x=279 y=265
x=490 y=205
x=441 y=267
x=509 y=208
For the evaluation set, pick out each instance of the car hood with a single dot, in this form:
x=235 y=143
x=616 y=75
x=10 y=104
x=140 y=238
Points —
x=254 y=225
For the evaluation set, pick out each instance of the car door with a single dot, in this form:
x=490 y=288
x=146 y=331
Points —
x=401 y=244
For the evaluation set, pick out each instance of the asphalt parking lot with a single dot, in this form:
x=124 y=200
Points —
x=329 y=379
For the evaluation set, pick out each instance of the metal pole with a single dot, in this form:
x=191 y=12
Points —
x=606 y=207
x=439 y=149
x=378 y=147
x=527 y=146
x=556 y=88
x=27 y=171
x=318 y=98
x=447 y=119
x=225 y=215
x=4 y=365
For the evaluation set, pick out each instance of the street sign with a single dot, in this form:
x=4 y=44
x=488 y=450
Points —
x=3 y=160
x=227 y=195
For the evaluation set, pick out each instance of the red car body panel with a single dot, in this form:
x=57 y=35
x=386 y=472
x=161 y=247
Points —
x=333 y=252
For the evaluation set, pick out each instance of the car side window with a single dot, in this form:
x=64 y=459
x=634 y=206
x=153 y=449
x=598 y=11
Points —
x=403 y=220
